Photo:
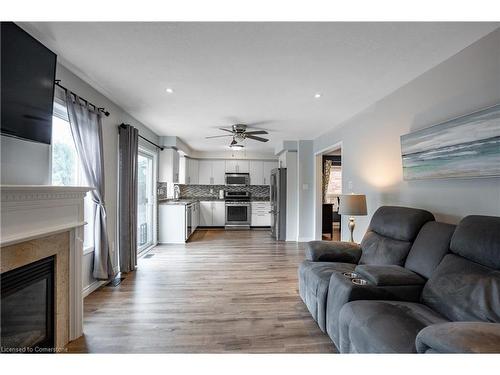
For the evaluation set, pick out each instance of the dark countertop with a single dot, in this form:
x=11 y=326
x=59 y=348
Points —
x=185 y=201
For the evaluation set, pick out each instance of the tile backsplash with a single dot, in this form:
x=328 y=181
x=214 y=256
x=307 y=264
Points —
x=204 y=191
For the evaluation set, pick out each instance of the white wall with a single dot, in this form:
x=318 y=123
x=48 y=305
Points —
x=371 y=151
x=305 y=189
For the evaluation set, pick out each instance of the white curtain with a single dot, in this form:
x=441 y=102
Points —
x=86 y=127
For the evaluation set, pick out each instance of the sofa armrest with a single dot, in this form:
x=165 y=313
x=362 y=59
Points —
x=459 y=337
x=336 y=251
x=390 y=275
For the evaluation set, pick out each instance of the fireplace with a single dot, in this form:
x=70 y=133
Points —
x=27 y=307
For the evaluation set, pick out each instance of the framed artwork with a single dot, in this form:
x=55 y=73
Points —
x=464 y=147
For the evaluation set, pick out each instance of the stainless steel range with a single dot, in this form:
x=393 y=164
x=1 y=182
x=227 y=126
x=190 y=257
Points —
x=237 y=209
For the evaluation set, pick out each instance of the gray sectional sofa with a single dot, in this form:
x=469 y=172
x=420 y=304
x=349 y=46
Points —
x=444 y=297
x=388 y=240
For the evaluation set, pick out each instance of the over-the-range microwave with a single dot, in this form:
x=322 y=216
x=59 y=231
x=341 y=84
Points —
x=237 y=179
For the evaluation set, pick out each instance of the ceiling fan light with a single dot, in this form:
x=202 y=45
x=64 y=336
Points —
x=236 y=146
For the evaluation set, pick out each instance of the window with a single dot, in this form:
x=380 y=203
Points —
x=66 y=168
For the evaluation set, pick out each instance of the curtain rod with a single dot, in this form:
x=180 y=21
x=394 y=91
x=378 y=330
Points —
x=122 y=125
x=99 y=109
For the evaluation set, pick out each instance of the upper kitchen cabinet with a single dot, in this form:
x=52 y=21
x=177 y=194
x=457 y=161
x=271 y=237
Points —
x=237 y=166
x=267 y=167
x=205 y=172
x=256 y=172
x=169 y=166
x=260 y=171
x=211 y=172
x=218 y=172
x=192 y=171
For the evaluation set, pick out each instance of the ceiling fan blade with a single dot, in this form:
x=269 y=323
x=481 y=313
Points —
x=257 y=138
x=257 y=123
x=226 y=130
x=256 y=132
x=219 y=136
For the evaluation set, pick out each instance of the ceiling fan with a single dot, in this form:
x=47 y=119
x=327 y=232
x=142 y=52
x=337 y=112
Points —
x=239 y=133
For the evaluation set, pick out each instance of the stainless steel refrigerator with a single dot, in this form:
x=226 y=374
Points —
x=278 y=204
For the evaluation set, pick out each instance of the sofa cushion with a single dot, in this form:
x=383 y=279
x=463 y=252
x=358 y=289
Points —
x=378 y=249
x=388 y=275
x=459 y=337
x=429 y=248
x=477 y=238
x=314 y=278
x=383 y=326
x=342 y=290
x=333 y=251
x=399 y=223
x=463 y=290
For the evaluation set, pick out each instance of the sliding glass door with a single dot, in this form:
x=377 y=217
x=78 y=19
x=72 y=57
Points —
x=145 y=200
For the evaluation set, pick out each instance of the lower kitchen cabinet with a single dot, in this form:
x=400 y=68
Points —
x=212 y=214
x=172 y=223
x=260 y=214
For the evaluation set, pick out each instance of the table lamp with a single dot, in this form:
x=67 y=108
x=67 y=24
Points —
x=352 y=205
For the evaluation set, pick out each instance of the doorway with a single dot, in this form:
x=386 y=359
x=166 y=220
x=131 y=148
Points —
x=328 y=191
x=146 y=164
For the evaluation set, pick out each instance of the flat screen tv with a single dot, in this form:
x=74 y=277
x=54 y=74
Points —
x=27 y=74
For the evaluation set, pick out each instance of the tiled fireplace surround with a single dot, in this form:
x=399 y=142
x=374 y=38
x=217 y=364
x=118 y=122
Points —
x=42 y=221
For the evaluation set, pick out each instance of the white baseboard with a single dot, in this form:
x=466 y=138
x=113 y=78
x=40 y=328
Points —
x=305 y=239
x=95 y=285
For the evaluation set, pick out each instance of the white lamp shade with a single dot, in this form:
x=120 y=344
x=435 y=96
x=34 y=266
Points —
x=352 y=204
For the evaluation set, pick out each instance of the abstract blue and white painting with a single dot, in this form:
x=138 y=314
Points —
x=465 y=147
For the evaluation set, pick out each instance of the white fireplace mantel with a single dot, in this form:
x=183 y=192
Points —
x=34 y=211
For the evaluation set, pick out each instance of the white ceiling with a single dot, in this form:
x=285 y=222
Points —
x=248 y=72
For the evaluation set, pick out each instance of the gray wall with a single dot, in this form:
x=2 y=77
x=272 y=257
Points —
x=24 y=162
x=371 y=154
x=305 y=187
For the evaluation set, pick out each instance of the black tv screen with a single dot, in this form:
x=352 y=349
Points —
x=27 y=74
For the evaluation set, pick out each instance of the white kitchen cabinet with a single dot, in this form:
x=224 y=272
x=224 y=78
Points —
x=172 y=223
x=191 y=171
x=231 y=166
x=205 y=172
x=195 y=215
x=218 y=214
x=212 y=214
x=237 y=166
x=206 y=214
x=260 y=216
x=256 y=172
x=267 y=167
x=168 y=166
x=218 y=172
x=211 y=172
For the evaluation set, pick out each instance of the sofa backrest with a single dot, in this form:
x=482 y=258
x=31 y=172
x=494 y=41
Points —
x=391 y=233
x=466 y=284
x=429 y=248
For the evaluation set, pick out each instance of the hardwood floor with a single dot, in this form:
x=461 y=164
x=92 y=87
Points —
x=224 y=291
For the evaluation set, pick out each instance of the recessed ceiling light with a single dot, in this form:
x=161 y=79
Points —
x=169 y=90
x=317 y=95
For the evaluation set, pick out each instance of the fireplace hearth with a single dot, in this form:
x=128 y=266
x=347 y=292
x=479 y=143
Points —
x=27 y=307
